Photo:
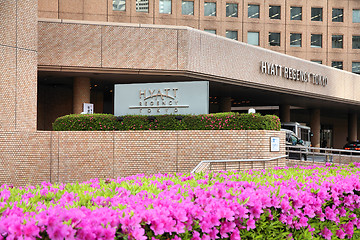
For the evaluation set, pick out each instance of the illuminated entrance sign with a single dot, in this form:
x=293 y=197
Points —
x=162 y=98
x=293 y=74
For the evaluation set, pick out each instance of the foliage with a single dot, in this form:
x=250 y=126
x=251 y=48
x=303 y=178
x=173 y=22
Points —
x=283 y=203
x=218 y=121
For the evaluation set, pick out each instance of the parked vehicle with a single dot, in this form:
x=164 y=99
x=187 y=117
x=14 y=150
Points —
x=353 y=146
x=301 y=131
x=295 y=146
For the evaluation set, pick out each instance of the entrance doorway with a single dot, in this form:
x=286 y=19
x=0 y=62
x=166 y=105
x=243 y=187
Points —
x=326 y=136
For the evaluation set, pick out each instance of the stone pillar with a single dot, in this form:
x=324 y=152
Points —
x=18 y=65
x=284 y=113
x=81 y=93
x=352 y=127
x=224 y=104
x=315 y=127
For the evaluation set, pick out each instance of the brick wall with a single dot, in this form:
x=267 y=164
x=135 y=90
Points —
x=30 y=158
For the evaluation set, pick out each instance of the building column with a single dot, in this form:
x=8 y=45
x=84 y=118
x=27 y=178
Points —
x=352 y=127
x=81 y=93
x=284 y=113
x=315 y=127
x=224 y=104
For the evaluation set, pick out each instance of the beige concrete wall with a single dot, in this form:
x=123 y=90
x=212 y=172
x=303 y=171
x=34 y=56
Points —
x=31 y=158
x=66 y=45
x=101 y=10
x=18 y=65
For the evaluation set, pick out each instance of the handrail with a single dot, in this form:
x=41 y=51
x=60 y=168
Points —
x=237 y=160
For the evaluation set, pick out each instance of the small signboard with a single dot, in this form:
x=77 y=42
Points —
x=162 y=98
x=88 y=108
x=274 y=144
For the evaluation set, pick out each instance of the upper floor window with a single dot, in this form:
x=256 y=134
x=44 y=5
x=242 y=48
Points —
x=253 y=11
x=295 y=13
x=119 y=5
x=232 y=34
x=213 y=31
x=317 y=61
x=337 y=41
x=274 y=39
x=356 y=67
x=356 y=15
x=316 y=40
x=210 y=9
x=187 y=7
x=356 y=42
x=231 y=10
x=337 y=64
x=295 y=39
x=142 y=5
x=316 y=14
x=165 y=6
x=253 y=38
x=274 y=12
x=338 y=15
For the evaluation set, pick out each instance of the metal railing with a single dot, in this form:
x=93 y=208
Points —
x=235 y=164
x=322 y=155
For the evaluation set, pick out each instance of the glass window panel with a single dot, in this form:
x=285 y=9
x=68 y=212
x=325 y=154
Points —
x=253 y=38
x=142 y=5
x=231 y=9
x=356 y=15
x=295 y=39
x=356 y=67
x=253 y=11
x=338 y=15
x=209 y=9
x=232 y=34
x=187 y=7
x=317 y=61
x=165 y=6
x=356 y=42
x=274 y=12
x=295 y=13
x=316 y=14
x=213 y=31
x=119 y=5
x=337 y=41
x=337 y=64
x=274 y=39
x=316 y=40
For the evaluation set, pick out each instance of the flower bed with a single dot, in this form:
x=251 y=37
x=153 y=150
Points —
x=284 y=203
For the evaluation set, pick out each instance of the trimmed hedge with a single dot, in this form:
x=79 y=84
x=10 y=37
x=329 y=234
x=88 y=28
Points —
x=217 y=121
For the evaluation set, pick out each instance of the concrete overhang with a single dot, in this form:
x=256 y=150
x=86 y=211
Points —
x=113 y=50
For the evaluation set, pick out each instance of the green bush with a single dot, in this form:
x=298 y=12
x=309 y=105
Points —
x=217 y=121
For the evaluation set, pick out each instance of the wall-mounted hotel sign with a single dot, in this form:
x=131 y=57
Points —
x=293 y=74
x=162 y=98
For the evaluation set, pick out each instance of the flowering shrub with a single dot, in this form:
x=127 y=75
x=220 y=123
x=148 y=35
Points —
x=283 y=203
x=218 y=121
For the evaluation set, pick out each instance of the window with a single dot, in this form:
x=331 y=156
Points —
x=316 y=14
x=187 y=8
x=295 y=39
x=317 y=61
x=356 y=42
x=316 y=40
x=119 y=5
x=253 y=11
x=274 y=39
x=232 y=34
x=274 y=12
x=338 y=15
x=142 y=5
x=337 y=64
x=165 y=6
x=356 y=15
x=295 y=13
x=356 y=67
x=337 y=41
x=209 y=9
x=231 y=9
x=253 y=38
x=213 y=31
